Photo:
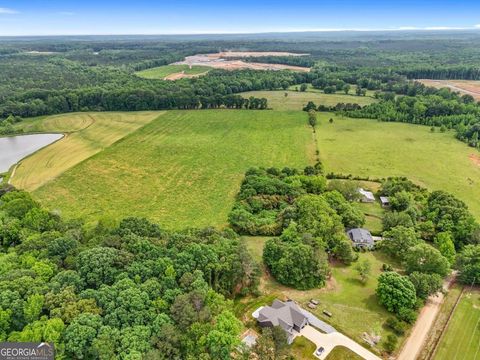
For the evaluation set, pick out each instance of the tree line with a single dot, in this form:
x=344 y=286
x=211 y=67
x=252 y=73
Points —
x=436 y=108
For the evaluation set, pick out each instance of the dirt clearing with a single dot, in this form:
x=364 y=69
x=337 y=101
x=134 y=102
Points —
x=221 y=61
x=470 y=87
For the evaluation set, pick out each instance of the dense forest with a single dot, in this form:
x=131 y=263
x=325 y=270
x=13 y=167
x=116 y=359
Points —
x=126 y=290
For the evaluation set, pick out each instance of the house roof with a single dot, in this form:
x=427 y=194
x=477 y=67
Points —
x=285 y=314
x=367 y=194
x=384 y=199
x=360 y=236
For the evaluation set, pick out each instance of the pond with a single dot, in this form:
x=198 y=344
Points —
x=15 y=148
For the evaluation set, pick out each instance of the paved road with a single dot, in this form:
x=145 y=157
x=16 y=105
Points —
x=329 y=341
x=424 y=323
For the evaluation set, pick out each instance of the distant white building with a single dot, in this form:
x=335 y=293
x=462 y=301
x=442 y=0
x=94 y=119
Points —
x=367 y=196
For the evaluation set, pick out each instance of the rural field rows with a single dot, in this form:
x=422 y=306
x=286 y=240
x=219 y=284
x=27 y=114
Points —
x=87 y=134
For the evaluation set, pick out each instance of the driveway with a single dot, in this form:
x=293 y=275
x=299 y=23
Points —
x=424 y=323
x=329 y=341
x=319 y=324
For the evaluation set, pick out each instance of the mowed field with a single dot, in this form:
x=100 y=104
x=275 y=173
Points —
x=86 y=135
x=470 y=87
x=296 y=100
x=182 y=169
x=461 y=341
x=378 y=149
x=165 y=72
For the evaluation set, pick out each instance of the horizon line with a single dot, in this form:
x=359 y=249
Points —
x=289 y=31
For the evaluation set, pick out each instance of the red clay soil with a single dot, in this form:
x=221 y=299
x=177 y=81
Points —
x=474 y=158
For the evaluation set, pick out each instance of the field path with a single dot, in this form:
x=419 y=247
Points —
x=412 y=347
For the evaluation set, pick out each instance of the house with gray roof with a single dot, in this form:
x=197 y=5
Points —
x=288 y=315
x=361 y=238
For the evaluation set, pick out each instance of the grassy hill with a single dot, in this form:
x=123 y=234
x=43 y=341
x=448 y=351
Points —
x=296 y=100
x=86 y=135
x=182 y=169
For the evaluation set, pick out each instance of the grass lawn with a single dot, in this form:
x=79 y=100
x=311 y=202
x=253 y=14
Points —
x=297 y=100
x=373 y=216
x=302 y=348
x=86 y=135
x=370 y=148
x=255 y=245
x=163 y=71
x=342 y=353
x=461 y=340
x=182 y=169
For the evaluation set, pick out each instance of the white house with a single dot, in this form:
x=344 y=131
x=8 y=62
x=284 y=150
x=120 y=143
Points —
x=367 y=196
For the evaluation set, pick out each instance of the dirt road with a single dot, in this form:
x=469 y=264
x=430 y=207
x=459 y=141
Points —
x=415 y=341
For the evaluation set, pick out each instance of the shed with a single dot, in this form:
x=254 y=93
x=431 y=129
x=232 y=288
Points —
x=367 y=196
x=385 y=201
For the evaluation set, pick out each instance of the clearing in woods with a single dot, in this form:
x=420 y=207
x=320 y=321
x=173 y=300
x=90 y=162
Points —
x=379 y=149
x=461 y=340
x=182 y=169
x=229 y=61
x=173 y=72
x=86 y=135
x=296 y=100
x=470 y=87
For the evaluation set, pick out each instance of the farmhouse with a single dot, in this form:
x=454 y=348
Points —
x=385 y=201
x=367 y=196
x=361 y=238
x=287 y=315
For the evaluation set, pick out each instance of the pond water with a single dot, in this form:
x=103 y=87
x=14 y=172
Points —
x=15 y=148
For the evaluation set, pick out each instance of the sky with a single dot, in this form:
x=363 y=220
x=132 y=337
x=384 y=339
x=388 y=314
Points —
x=105 y=17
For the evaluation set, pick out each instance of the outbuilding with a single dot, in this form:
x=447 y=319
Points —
x=385 y=201
x=366 y=196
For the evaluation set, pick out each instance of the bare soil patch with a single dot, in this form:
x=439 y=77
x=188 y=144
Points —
x=223 y=60
x=470 y=87
x=475 y=158
x=227 y=54
x=182 y=75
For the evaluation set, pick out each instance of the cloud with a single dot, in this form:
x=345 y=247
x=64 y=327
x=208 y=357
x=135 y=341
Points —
x=476 y=26
x=7 y=11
